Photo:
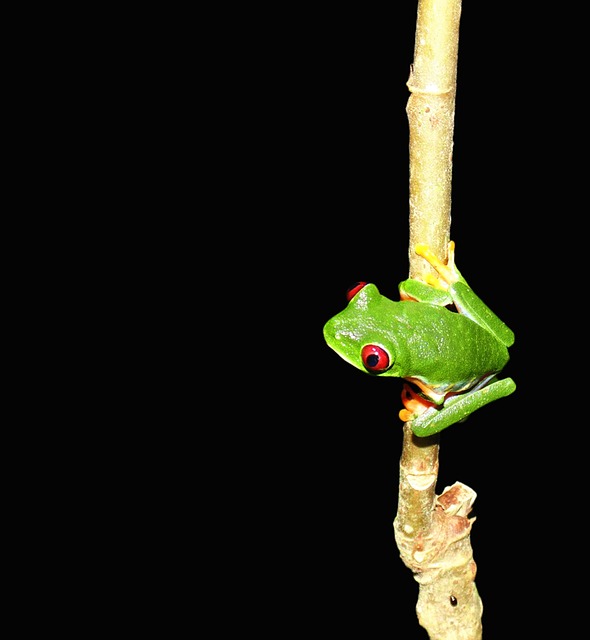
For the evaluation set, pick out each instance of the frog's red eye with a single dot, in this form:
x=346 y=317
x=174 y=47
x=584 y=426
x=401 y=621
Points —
x=353 y=290
x=375 y=358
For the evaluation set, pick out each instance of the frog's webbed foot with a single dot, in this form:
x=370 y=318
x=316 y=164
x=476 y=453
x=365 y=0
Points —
x=415 y=404
x=448 y=273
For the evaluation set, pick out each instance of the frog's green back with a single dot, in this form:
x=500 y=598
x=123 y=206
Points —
x=428 y=342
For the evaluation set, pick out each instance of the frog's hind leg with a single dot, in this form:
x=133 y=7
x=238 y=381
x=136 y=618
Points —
x=457 y=408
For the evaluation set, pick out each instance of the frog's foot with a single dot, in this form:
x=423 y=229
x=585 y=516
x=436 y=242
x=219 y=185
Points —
x=448 y=273
x=414 y=403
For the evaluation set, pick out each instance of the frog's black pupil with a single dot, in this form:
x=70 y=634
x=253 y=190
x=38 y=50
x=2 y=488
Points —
x=373 y=360
x=453 y=601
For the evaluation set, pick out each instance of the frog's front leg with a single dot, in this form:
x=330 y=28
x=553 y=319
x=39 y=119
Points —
x=430 y=288
x=427 y=420
x=448 y=273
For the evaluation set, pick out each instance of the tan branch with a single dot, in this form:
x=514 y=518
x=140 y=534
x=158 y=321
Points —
x=431 y=117
x=433 y=532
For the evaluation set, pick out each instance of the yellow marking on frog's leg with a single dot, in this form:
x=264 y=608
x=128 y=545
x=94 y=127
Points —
x=447 y=272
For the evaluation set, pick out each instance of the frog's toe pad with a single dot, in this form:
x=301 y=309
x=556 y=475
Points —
x=405 y=415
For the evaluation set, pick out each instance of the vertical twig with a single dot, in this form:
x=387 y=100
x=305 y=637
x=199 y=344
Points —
x=431 y=116
x=432 y=532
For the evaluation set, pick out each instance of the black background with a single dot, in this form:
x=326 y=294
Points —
x=301 y=188
x=236 y=173
x=335 y=185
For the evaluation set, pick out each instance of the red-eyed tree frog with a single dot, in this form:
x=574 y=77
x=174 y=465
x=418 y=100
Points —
x=439 y=337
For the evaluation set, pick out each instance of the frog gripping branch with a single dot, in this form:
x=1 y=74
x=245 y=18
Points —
x=440 y=338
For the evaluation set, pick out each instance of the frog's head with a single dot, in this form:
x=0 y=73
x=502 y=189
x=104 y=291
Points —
x=359 y=334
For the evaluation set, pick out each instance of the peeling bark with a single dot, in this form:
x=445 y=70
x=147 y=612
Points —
x=433 y=536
